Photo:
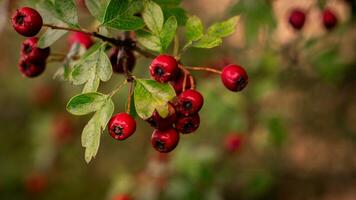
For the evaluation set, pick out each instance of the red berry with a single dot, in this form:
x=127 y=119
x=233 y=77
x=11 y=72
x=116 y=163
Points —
x=234 y=77
x=177 y=83
x=162 y=124
x=297 y=19
x=35 y=183
x=188 y=124
x=122 y=197
x=81 y=38
x=164 y=68
x=122 y=126
x=127 y=59
x=32 y=53
x=27 y=21
x=232 y=142
x=329 y=19
x=31 y=69
x=165 y=141
x=189 y=102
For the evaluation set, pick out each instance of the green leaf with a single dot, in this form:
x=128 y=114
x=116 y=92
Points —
x=153 y=16
x=97 y=8
x=179 y=13
x=149 y=41
x=150 y=96
x=114 y=9
x=126 y=23
x=94 y=128
x=103 y=66
x=91 y=85
x=67 y=12
x=194 y=29
x=168 y=2
x=86 y=103
x=50 y=37
x=225 y=28
x=207 y=42
x=168 y=33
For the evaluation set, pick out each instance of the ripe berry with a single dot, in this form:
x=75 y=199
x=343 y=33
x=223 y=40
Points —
x=27 y=21
x=164 y=141
x=35 y=183
x=127 y=59
x=81 y=38
x=232 y=142
x=329 y=19
x=189 y=102
x=162 y=124
x=122 y=197
x=297 y=19
x=188 y=124
x=177 y=83
x=32 y=53
x=234 y=77
x=164 y=68
x=121 y=126
x=31 y=69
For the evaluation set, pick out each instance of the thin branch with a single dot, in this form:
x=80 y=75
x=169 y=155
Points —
x=118 y=88
x=208 y=69
x=144 y=52
x=129 y=98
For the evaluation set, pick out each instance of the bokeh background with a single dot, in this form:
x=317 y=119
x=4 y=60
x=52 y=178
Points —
x=295 y=123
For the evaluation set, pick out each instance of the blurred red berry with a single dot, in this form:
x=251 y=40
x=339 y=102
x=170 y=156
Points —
x=329 y=19
x=232 y=142
x=27 y=21
x=122 y=197
x=297 y=19
x=63 y=128
x=36 y=183
x=32 y=53
x=81 y=38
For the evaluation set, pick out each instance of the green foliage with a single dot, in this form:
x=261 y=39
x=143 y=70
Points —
x=86 y=103
x=150 y=96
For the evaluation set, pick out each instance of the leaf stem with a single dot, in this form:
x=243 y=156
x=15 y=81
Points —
x=117 y=88
x=208 y=69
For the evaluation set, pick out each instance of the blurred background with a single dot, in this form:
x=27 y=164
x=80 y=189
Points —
x=290 y=134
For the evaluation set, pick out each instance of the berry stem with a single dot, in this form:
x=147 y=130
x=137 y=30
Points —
x=128 y=108
x=117 y=88
x=186 y=73
x=208 y=69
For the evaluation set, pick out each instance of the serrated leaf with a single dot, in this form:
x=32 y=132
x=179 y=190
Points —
x=150 y=96
x=207 y=42
x=67 y=12
x=86 y=103
x=168 y=33
x=153 y=17
x=194 y=29
x=179 y=13
x=97 y=8
x=149 y=41
x=50 y=37
x=92 y=131
x=225 y=28
x=136 y=6
x=114 y=9
x=126 y=23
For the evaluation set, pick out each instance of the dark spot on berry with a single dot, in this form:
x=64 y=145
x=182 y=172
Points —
x=241 y=83
x=158 y=71
x=160 y=145
x=20 y=19
x=27 y=48
x=187 y=105
x=152 y=122
x=188 y=126
x=118 y=130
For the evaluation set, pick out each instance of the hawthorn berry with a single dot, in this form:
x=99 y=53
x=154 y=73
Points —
x=126 y=59
x=189 y=102
x=164 y=141
x=31 y=69
x=234 y=77
x=35 y=183
x=232 y=142
x=121 y=126
x=329 y=19
x=188 y=124
x=178 y=82
x=122 y=197
x=297 y=19
x=164 y=68
x=162 y=124
x=27 y=21
x=32 y=53
x=81 y=38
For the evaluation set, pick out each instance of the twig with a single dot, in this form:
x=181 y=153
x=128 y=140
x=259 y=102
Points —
x=208 y=69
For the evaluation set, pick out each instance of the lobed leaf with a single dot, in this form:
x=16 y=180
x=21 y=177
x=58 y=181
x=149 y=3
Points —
x=168 y=33
x=194 y=29
x=225 y=28
x=207 y=42
x=86 y=103
x=153 y=17
x=67 y=12
x=149 y=41
x=97 y=8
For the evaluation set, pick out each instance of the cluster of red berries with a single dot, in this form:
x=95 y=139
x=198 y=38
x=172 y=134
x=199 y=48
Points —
x=183 y=114
x=297 y=19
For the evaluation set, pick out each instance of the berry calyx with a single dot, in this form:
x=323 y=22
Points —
x=121 y=126
x=188 y=124
x=189 y=102
x=232 y=142
x=234 y=77
x=126 y=59
x=32 y=53
x=164 y=68
x=81 y=38
x=178 y=82
x=297 y=19
x=31 y=69
x=329 y=19
x=162 y=124
x=164 y=141
x=27 y=21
